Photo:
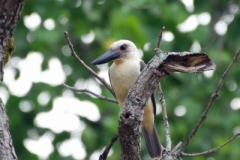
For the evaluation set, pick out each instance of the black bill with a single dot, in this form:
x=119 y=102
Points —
x=107 y=57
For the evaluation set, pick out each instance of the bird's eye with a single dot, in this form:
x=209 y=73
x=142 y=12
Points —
x=123 y=47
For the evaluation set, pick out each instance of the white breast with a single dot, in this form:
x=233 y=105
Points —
x=123 y=75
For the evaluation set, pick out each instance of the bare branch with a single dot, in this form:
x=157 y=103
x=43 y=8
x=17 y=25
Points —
x=160 y=36
x=92 y=93
x=131 y=112
x=176 y=147
x=165 y=118
x=213 y=98
x=211 y=150
x=104 y=155
x=73 y=53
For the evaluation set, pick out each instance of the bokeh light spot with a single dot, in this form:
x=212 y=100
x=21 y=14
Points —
x=140 y=52
x=63 y=19
x=220 y=27
x=180 y=111
x=189 y=24
x=26 y=105
x=168 y=36
x=189 y=5
x=42 y=146
x=4 y=95
x=88 y=38
x=231 y=85
x=44 y=97
x=90 y=84
x=235 y=103
x=204 y=18
x=78 y=3
x=146 y=46
x=208 y=74
x=72 y=147
x=66 y=51
x=195 y=46
x=67 y=69
x=236 y=130
x=31 y=37
x=158 y=109
x=33 y=21
x=49 y=24
x=64 y=114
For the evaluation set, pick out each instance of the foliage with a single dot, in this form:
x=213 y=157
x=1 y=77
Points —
x=138 y=21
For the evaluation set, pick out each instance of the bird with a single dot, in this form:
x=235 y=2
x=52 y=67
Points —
x=123 y=73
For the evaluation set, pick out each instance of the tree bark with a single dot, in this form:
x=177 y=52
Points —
x=7 y=151
x=132 y=111
x=10 y=11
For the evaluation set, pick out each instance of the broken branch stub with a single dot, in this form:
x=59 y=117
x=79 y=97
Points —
x=131 y=113
x=187 y=62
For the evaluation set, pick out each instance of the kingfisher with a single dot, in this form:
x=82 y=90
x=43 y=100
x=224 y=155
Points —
x=123 y=73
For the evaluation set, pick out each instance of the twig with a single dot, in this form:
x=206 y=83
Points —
x=73 y=53
x=165 y=118
x=176 y=147
x=92 y=93
x=162 y=101
x=213 y=98
x=103 y=156
x=211 y=150
x=160 y=36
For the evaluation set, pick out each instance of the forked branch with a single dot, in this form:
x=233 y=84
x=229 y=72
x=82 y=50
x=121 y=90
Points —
x=104 y=155
x=73 y=53
x=213 y=98
x=91 y=93
x=162 y=101
x=210 y=150
x=162 y=64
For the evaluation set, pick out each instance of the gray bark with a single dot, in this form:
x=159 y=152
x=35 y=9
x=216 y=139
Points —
x=132 y=111
x=7 y=151
x=10 y=11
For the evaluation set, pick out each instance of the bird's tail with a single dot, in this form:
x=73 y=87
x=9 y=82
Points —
x=153 y=144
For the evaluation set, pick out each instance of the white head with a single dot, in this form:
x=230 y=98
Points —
x=126 y=48
x=122 y=49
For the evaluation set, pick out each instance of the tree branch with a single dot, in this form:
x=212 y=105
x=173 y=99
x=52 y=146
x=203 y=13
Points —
x=131 y=113
x=91 y=93
x=176 y=147
x=73 y=53
x=211 y=150
x=160 y=36
x=104 y=155
x=7 y=150
x=213 y=98
x=10 y=12
x=165 y=118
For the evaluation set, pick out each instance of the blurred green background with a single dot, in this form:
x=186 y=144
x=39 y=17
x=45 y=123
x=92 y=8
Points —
x=48 y=121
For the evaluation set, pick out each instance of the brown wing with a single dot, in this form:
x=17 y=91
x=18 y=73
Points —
x=142 y=66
